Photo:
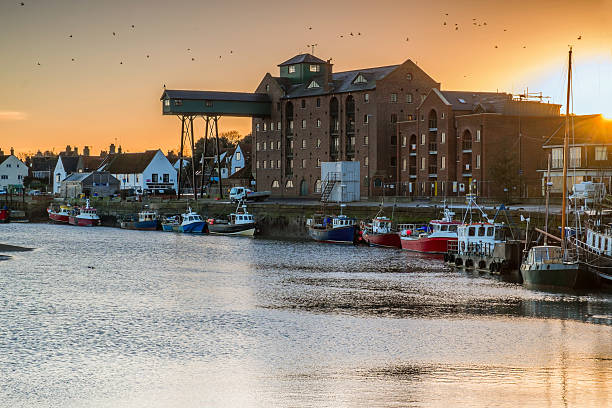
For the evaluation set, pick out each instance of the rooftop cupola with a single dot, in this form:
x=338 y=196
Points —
x=303 y=67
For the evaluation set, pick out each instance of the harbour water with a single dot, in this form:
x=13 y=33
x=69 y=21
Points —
x=103 y=317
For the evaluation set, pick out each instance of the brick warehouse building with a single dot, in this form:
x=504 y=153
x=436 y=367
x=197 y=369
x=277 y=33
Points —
x=400 y=126
x=318 y=116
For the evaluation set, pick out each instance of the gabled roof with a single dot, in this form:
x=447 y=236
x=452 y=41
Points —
x=467 y=100
x=70 y=163
x=4 y=157
x=586 y=129
x=77 y=176
x=43 y=163
x=91 y=163
x=303 y=59
x=128 y=163
x=215 y=95
x=243 y=173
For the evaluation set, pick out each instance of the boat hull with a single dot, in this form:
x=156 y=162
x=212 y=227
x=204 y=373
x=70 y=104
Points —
x=139 y=225
x=170 y=227
x=199 y=227
x=563 y=276
x=232 y=229
x=389 y=240
x=4 y=215
x=60 y=218
x=341 y=235
x=83 y=222
x=427 y=245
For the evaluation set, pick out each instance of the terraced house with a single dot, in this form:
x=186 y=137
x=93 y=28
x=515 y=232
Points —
x=319 y=115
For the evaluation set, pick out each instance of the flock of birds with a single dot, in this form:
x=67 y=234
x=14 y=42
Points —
x=456 y=26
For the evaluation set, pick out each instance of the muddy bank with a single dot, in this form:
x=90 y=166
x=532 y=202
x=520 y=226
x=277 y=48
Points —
x=13 y=248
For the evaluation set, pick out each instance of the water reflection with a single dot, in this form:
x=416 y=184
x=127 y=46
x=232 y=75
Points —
x=108 y=317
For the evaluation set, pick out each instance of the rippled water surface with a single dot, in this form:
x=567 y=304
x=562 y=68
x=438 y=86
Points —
x=104 y=317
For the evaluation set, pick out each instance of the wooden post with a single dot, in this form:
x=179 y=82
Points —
x=180 y=173
x=218 y=157
x=193 y=177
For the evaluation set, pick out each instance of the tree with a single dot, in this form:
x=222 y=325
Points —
x=504 y=173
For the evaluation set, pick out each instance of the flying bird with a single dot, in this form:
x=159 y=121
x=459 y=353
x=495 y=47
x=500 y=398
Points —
x=496 y=46
x=341 y=36
x=70 y=36
x=580 y=37
x=147 y=55
x=456 y=28
x=231 y=52
x=407 y=39
x=38 y=63
x=73 y=59
x=114 y=33
x=524 y=46
x=193 y=59
x=485 y=23
x=444 y=23
x=22 y=4
x=188 y=49
x=310 y=28
x=505 y=29
x=358 y=33
x=132 y=25
x=351 y=33
x=121 y=63
x=219 y=57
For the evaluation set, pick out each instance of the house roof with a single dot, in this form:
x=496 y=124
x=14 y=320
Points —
x=586 y=129
x=243 y=173
x=91 y=163
x=70 y=163
x=303 y=58
x=43 y=163
x=468 y=100
x=4 y=157
x=99 y=176
x=128 y=163
x=341 y=82
x=77 y=176
x=215 y=95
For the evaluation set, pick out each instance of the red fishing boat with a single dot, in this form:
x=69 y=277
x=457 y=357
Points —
x=380 y=233
x=433 y=239
x=85 y=217
x=62 y=215
x=4 y=214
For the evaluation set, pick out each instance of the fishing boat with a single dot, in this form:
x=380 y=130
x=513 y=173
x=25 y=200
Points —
x=596 y=253
x=549 y=266
x=171 y=224
x=433 y=239
x=338 y=229
x=60 y=215
x=238 y=223
x=192 y=222
x=147 y=220
x=380 y=232
x=84 y=217
x=4 y=214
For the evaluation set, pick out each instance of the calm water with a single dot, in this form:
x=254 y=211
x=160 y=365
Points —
x=111 y=318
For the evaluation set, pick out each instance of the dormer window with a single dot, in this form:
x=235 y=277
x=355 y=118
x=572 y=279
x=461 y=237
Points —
x=360 y=79
x=461 y=100
x=314 y=84
x=292 y=69
x=166 y=102
x=315 y=68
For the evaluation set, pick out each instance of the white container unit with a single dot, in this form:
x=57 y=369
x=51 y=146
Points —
x=345 y=176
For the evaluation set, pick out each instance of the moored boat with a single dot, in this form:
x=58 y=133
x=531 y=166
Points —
x=171 y=224
x=380 y=233
x=192 y=222
x=435 y=238
x=4 y=214
x=238 y=223
x=333 y=229
x=60 y=215
x=596 y=253
x=147 y=221
x=84 y=217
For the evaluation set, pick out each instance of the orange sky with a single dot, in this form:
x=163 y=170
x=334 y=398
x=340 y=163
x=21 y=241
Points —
x=94 y=100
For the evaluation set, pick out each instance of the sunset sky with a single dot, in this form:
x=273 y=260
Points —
x=110 y=92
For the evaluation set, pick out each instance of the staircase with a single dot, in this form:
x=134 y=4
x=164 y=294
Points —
x=328 y=185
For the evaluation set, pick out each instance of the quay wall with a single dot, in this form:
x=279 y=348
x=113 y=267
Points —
x=281 y=220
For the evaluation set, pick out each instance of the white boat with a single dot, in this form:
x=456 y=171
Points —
x=192 y=222
x=240 y=222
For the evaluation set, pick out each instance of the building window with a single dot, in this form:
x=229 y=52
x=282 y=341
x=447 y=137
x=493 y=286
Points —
x=57 y=177
x=278 y=145
x=477 y=161
x=409 y=98
x=315 y=68
x=165 y=178
x=601 y=153
x=366 y=161
x=278 y=164
x=443 y=115
x=366 y=140
x=257 y=127
x=166 y=102
x=443 y=163
x=313 y=84
x=366 y=98
x=178 y=102
x=365 y=118
x=404 y=164
x=410 y=117
x=303 y=123
x=264 y=146
x=292 y=69
x=291 y=164
x=478 y=135
x=422 y=163
x=393 y=161
x=291 y=124
x=422 y=118
x=278 y=126
x=318 y=162
x=267 y=88
x=303 y=163
x=394 y=118
x=238 y=155
x=265 y=164
x=303 y=143
x=318 y=142
x=271 y=164
x=575 y=153
x=271 y=125
x=318 y=186
x=557 y=158
x=393 y=140
x=409 y=77
x=393 y=97
x=318 y=123
x=257 y=164
x=153 y=178
x=275 y=184
x=289 y=184
x=360 y=79
x=271 y=145
x=303 y=103
x=318 y=102
x=404 y=140
x=423 y=138
x=443 y=137
x=265 y=127
x=278 y=106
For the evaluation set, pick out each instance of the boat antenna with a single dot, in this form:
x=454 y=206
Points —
x=565 y=150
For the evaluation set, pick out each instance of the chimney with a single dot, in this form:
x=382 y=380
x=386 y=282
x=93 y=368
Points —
x=76 y=151
x=86 y=151
x=328 y=75
x=68 y=150
x=111 y=149
x=1 y=152
x=119 y=150
x=12 y=151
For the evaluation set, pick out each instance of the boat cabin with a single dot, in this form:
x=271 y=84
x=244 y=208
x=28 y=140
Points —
x=545 y=254
x=147 y=216
x=241 y=218
x=343 y=221
x=480 y=236
x=407 y=230
x=599 y=242
x=381 y=225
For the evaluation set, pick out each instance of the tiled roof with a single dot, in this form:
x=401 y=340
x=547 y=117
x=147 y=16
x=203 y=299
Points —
x=243 y=173
x=128 y=163
x=70 y=163
x=91 y=163
x=43 y=163
x=77 y=177
x=215 y=96
x=4 y=157
x=303 y=58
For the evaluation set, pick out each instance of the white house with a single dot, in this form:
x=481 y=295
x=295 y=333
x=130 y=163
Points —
x=149 y=171
x=232 y=161
x=65 y=166
x=12 y=171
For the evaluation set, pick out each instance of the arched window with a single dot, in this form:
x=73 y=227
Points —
x=289 y=184
x=317 y=186
x=433 y=120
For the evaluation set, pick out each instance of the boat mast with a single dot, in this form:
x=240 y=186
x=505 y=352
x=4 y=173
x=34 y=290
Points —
x=565 y=152
x=547 y=196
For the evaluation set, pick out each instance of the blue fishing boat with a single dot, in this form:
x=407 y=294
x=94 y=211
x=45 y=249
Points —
x=171 y=224
x=191 y=222
x=146 y=220
x=333 y=229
